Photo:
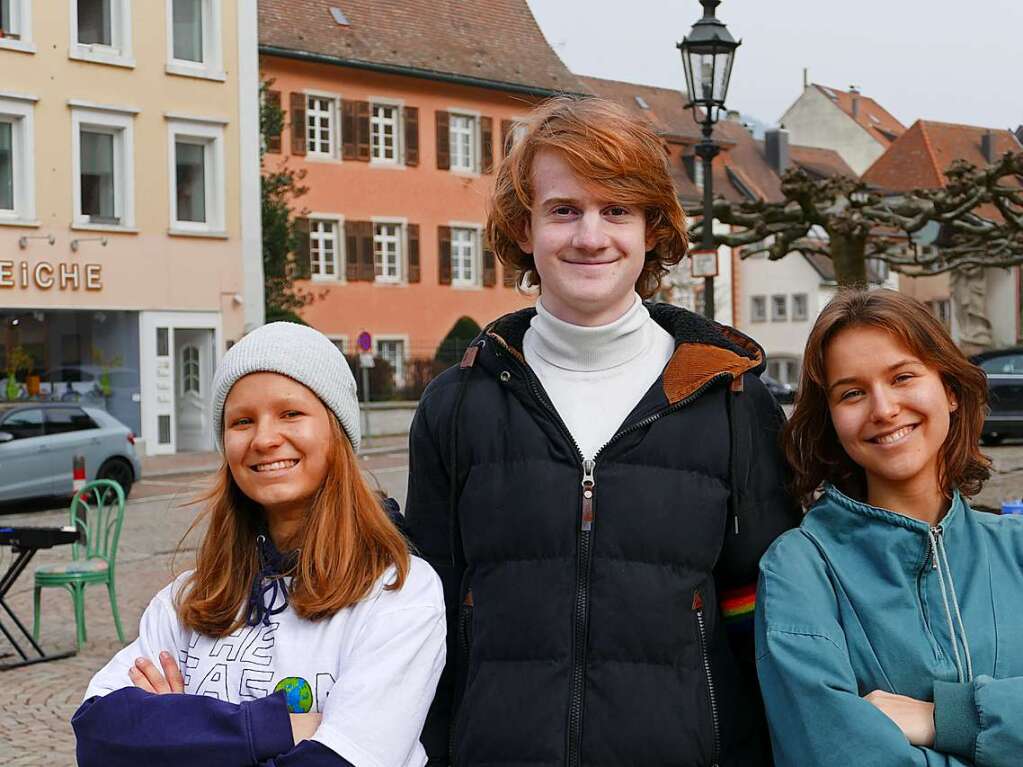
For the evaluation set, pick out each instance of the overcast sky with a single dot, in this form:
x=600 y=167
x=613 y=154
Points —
x=950 y=60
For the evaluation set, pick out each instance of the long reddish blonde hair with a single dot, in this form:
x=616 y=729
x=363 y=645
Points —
x=347 y=542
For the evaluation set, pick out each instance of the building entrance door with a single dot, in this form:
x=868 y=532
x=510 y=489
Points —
x=194 y=371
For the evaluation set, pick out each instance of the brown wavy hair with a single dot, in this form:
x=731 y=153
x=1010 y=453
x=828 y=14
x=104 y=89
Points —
x=346 y=543
x=618 y=154
x=810 y=441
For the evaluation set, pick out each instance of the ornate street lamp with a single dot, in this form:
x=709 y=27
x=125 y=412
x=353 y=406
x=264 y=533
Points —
x=707 y=54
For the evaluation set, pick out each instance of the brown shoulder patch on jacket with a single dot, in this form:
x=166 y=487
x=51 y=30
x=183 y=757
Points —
x=693 y=365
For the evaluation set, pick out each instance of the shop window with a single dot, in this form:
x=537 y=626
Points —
x=193 y=28
x=104 y=170
x=197 y=175
x=387 y=251
x=101 y=32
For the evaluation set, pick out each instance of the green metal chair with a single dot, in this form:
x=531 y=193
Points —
x=97 y=510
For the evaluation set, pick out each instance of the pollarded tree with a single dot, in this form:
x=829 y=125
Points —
x=978 y=213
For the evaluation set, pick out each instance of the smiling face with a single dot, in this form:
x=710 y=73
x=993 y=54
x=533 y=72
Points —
x=890 y=411
x=277 y=441
x=588 y=249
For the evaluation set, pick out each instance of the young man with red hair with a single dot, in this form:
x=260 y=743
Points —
x=597 y=480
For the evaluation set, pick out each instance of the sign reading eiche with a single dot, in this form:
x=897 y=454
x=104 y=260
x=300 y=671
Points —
x=44 y=275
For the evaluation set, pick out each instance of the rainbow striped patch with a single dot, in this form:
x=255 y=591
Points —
x=737 y=604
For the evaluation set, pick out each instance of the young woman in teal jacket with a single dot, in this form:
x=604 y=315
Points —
x=889 y=625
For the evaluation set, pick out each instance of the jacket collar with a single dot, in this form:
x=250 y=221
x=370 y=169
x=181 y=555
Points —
x=704 y=350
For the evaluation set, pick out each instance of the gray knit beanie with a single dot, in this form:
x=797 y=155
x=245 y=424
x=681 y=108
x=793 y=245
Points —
x=298 y=352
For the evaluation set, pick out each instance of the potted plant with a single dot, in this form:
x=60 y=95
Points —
x=17 y=360
x=103 y=384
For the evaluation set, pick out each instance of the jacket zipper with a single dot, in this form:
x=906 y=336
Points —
x=711 y=691
x=586 y=520
x=464 y=645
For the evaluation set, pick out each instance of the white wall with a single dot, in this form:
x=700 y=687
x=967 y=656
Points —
x=814 y=120
x=1002 y=306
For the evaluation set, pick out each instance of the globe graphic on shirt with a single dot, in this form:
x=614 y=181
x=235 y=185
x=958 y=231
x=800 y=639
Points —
x=297 y=693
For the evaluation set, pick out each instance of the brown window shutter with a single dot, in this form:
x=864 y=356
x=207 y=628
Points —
x=508 y=275
x=367 y=268
x=362 y=130
x=444 y=255
x=273 y=142
x=506 y=136
x=489 y=269
x=411 y=115
x=352 y=250
x=348 y=137
x=487 y=139
x=303 y=266
x=413 y=252
x=297 y=123
x=443 y=142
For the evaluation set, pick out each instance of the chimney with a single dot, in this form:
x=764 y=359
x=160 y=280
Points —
x=854 y=92
x=776 y=147
x=987 y=147
x=806 y=78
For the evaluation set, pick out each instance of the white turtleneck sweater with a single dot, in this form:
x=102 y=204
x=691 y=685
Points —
x=595 y=376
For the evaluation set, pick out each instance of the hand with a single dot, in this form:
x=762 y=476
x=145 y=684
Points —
x=303 y=726
x=146 y=676
x=914 y=717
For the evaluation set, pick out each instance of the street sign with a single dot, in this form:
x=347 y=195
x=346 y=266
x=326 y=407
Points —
x=366 y=360
x=704 y=263
x=365 y=342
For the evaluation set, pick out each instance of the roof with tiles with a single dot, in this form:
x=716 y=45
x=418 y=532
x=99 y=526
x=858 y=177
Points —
x=920 y=157
x=822 y=163
x=874 y=118
x=495 y=41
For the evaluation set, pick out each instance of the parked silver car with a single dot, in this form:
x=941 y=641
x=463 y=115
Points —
x=39 y=441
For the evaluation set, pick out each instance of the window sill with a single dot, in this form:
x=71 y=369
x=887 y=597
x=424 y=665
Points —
x=198 y=72
x=210 y=234
x=326 y=279
x=22 y=222
x=387 y=165
x=322 y=158
x=85 y=53
x=465 y=173
x=22 y=46
x=466 y=286
x=82 y=226
x=395 y=283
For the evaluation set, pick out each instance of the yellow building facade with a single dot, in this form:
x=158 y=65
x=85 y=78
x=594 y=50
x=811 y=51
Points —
x=130 y=253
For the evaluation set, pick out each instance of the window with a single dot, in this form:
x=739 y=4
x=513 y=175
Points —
x=341 y=342
x=799 y=307
x=784 y=370
x=193 y=38
x=319 y=117
x=101 y=31
x=16 y=25
x=24 y=424
x=393 y=351
x=758 y=309
x=197 y=177
x=384 y=133
x=189 y=370
x=464 y=256
x=941 y=308
x=60 y=420
x=698 y=172
x=323 y=250
x=462 y=138
x=17 y=174
x=387 y=252
x=104 y=176
x=779 y=308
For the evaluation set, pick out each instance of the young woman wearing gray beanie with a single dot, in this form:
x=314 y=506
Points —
x=306 y=633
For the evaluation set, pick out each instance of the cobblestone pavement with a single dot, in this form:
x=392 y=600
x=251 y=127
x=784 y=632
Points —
x=36 y=702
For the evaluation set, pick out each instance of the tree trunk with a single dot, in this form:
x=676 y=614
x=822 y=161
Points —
x=847 y=257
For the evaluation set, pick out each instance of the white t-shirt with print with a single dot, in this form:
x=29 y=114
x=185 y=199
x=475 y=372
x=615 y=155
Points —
x=370 y=669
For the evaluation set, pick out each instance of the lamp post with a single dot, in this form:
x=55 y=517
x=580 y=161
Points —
x=707 y=54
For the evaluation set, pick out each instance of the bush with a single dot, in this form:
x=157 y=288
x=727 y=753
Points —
x=451 y=349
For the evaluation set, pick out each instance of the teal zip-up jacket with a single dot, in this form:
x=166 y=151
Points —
x=859 y=599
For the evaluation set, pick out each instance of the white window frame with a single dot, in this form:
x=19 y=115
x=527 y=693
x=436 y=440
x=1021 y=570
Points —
x=402 y=274
x=758 y=316
x=19 y=110
x=119 y=53
x=399 y=370
x=783 y=315
x=21 y=25
x=212 y=65
x=804 y=315
x=120 y=121
x=474 y=141
x=209 y=132
x=333 y=124
x=339 y=246
x=341 y=341
x=399 y=131
x=475 y=278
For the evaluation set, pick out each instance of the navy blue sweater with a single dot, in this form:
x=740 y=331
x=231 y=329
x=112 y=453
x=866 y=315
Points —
x=130 y=727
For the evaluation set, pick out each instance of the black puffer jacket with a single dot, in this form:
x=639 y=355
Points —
x=583 y=600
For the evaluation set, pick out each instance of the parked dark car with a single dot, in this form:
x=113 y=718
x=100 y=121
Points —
x=1004 y=369
x=784 y=394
